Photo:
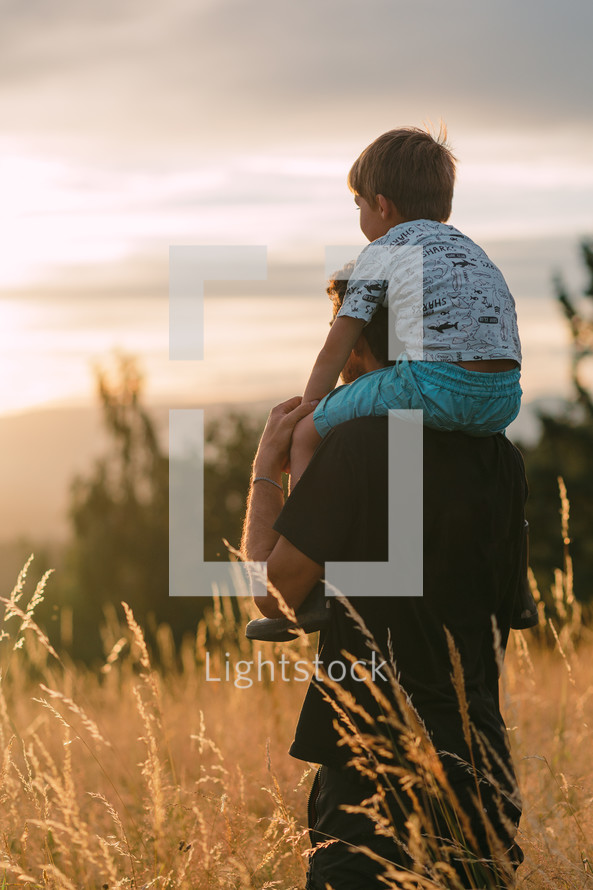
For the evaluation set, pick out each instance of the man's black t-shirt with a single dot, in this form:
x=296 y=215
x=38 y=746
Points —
x=474 y=494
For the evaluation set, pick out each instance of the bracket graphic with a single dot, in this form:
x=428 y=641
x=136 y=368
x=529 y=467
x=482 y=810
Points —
x=189 y=575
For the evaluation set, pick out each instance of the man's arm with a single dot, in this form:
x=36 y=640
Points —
x=291 y=572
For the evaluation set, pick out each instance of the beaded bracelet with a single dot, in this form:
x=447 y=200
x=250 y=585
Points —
x=267 y=479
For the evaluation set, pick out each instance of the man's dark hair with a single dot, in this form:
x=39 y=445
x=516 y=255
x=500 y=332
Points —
x=375 y=331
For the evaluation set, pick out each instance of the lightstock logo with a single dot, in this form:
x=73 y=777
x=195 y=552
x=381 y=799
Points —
x=190 y=267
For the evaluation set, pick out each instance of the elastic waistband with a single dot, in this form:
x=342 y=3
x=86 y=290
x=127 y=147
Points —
x=451 y=376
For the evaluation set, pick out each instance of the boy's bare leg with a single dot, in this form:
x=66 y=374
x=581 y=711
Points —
x=313 y=614
x=305 y=440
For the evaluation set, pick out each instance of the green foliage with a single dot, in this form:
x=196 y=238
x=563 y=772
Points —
x=230 y=446
x=119 y=515
x=565 y=448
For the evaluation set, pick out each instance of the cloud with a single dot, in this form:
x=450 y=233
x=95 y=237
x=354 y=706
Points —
x=220 y=121
x=146 y=81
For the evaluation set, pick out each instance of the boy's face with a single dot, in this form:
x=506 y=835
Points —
x=373 y=221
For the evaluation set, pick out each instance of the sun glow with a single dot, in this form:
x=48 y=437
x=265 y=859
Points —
x=85 y=251
x=48 y=220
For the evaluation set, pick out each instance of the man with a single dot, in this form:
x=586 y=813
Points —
x=474 y=493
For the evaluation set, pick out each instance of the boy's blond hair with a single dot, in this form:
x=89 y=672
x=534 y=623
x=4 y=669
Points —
x=412 y=168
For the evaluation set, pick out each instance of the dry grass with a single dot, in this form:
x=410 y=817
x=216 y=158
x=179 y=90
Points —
x=132 y=777
x=138 y=778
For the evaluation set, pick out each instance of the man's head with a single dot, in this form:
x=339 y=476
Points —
x=371 y=350
x=409 y=168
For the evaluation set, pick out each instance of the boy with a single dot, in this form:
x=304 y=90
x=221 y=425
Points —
x=454 y=313
x=453 y=310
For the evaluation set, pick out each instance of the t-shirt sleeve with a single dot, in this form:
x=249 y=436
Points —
x=317 y=517
x=365 y=290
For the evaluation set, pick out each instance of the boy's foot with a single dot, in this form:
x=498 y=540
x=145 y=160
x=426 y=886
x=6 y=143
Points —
x=313 y=615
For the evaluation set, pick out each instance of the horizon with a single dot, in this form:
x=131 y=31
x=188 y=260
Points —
x=261 y=338
x=130 y=129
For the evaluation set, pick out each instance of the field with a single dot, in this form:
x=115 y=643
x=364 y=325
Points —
x=179 y=778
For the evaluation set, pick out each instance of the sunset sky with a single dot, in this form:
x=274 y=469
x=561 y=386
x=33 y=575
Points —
x=129 y=127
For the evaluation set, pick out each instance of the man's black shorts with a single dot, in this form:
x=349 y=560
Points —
x=341 y=866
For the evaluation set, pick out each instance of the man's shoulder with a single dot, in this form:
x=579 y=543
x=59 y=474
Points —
x=357 y=434
x=360 y=426
x=366 y=440
x=369 y=435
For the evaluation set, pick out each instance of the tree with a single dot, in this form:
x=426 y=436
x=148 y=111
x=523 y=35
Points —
x=581 y=329
x=565 y=449
x=230 y=446
x=119 y=514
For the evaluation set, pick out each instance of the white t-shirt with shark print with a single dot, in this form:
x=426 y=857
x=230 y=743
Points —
x=449 y=300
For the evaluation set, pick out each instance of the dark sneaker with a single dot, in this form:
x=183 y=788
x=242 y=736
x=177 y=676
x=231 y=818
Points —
x=313 y=615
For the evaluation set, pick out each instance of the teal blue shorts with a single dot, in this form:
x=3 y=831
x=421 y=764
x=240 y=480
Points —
x=451 y=397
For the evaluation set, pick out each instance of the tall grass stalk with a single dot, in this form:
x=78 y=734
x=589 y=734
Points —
x=136 y=776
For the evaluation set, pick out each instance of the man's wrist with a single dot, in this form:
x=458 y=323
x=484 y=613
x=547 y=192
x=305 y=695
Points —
x=268 y=481
x=266 y=463
x=264 y=471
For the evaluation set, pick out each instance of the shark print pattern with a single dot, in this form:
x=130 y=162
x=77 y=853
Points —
x=450 y=301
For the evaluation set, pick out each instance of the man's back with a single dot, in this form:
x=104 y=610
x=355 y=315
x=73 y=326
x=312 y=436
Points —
x=474 y=493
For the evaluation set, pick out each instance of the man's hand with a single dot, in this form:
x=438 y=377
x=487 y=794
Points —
x=289 y=570
x=273 y=454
